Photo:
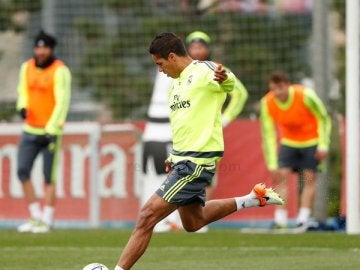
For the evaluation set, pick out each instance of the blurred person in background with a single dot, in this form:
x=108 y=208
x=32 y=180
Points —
x=44 y=91
x=304 y=129
x=157 y=134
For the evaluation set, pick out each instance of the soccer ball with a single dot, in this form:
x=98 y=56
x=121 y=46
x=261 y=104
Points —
x=95 y=266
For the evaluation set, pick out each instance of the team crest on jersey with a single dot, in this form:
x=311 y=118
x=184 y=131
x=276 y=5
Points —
x=190 y=79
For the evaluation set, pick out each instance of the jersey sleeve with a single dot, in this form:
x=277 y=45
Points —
x=237 y=101
x=268 y=133
x=316 y=106
x=62 y=92
x=21 y=89
x=227 y=85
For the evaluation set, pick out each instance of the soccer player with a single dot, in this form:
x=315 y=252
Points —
x=195 y=100
x=157 y=133
x=43 y=102
x=304 y=127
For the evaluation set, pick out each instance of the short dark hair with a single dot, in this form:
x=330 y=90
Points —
x=166 y=43
x=279 y=77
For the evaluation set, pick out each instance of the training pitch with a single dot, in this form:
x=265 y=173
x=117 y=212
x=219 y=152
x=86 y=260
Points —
x=217 y=249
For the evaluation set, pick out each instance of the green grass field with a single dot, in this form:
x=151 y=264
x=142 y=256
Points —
x=218 y=249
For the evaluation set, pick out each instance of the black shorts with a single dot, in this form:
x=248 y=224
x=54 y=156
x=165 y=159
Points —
x=186 y=183
x=298 y=158
x=30 y=147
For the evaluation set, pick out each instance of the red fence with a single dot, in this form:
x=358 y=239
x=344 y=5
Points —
x=119 y=175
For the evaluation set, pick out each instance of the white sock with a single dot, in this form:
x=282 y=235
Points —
x=304 y=215
x=246 y=201
x=48 y=215
x=281 y=217
x=35 y=211
x=118 y=268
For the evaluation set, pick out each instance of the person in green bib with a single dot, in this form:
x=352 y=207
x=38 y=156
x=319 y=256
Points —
x=304 y=129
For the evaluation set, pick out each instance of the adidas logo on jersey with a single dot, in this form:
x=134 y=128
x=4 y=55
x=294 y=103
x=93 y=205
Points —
x=180 y=105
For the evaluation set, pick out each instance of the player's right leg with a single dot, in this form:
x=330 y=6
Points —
x=307 y=199
x=27 y=152
x=33 y=207
x=153 y=211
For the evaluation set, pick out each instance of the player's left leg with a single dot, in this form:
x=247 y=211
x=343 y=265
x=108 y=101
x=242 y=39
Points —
x=308 y=164
x=194 y=216
x=307 y=196
x=50 y=168
x=185 y=187
x=288 y=160
x=280 y=180
x=210 y=191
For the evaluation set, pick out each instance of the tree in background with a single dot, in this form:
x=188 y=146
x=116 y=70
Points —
x=116 y=68
x=13 y=15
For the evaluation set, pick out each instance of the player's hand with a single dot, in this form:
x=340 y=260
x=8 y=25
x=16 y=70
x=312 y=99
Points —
x=168 y=168
x=23 y=113
x=321 y=154
x=46 y=139
x=220 y=74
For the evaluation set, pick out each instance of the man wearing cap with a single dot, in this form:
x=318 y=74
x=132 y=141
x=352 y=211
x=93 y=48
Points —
x=157 y=135
x=44 y=91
